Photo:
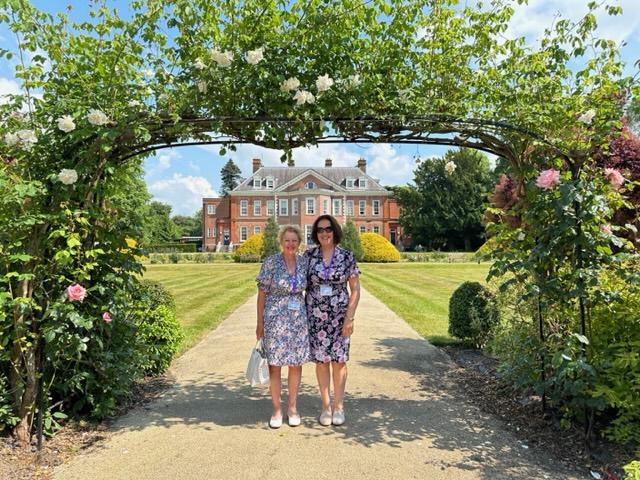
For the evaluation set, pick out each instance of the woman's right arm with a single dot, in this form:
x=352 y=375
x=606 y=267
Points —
x=260 y=325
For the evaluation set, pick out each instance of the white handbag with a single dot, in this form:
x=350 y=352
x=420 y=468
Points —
x=258 y=368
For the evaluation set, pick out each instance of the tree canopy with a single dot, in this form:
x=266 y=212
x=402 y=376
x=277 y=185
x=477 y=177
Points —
x=444 y=207
x=230 y=177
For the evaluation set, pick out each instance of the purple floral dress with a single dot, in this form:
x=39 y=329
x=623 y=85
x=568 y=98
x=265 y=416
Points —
x=326 y=312
x=286 y=331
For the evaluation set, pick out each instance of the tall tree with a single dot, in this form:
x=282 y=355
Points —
x=230 y=176
x=159 y=227
x=189 y=226
x=444 y=209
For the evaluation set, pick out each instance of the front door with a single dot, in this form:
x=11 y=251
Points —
x=226 y=236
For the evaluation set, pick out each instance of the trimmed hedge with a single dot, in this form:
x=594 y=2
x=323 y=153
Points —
x=171 y=248
x=473 y=311
x=378 y=249
x=197 y=257
x=158 y=329
x=251 y=250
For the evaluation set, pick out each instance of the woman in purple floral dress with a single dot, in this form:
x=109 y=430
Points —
x=330 y=311
x=282 y=321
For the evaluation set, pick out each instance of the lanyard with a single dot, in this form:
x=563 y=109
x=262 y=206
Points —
x=293 y=278
x=326 y=270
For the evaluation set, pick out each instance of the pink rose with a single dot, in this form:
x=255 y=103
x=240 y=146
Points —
x=605 y=229
x=76 y=293
x=615 y=177
x=548 y=179
x=106 y=316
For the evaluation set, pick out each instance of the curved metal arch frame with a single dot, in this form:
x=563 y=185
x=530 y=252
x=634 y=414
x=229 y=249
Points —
x=479 y=134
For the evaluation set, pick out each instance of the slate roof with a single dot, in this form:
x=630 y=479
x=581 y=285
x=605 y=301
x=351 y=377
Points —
x=283 y=175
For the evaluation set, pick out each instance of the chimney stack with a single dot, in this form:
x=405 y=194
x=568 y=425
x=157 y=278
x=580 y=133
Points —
x=257 y=164
x=328 y=162
x=362 y=165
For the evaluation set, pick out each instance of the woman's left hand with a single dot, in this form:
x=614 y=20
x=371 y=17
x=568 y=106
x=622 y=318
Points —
x=347 y=328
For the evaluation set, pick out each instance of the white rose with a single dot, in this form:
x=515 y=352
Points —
x=97 y=117
x=353 y=81
x=199 y=64
x=202 y=86
x=290 y=84
x=68 y=176
x=66 y=123
x=134 y=103
x=163 y=98
x=27 y=138
x=148 y=73
x=450 y=167
x=254 y=56
x=324 y=82
x=302 y=97
x=11 y=139
x=587 y=117
x=223 y=59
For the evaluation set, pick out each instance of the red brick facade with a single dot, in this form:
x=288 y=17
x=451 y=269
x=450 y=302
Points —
x=297 y=195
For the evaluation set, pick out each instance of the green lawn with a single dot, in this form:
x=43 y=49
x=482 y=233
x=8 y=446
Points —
x=419 y=293
x=205 y=294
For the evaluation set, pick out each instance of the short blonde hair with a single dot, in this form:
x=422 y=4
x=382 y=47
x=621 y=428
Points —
x=290 y=228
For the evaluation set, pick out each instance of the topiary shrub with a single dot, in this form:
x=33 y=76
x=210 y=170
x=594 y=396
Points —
x=250 y=250
x=351 y=240
x=472 y=313
x=270 y=243
x=158 y=329
x=378 y=249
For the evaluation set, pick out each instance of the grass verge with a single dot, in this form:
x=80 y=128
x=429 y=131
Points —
x=419 y=293
x=205 y=293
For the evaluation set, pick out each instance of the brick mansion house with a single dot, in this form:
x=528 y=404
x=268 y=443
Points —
x=298 y=195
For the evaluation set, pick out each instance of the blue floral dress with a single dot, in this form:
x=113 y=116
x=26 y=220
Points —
x=286 y=331
x=326 y=312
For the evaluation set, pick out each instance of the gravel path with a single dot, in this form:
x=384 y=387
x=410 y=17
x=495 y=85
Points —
x=404 y=419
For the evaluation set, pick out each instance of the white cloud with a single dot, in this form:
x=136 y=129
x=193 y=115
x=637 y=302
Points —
x=386 y=164
x=383 y=160
x=531 y=19
x=184 y=193
x=8 y=87
x=162 y=161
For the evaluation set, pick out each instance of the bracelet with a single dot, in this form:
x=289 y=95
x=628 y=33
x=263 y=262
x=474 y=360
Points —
x=349 y=319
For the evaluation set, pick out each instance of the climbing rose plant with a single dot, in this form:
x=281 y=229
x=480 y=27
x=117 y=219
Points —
x=99 y=95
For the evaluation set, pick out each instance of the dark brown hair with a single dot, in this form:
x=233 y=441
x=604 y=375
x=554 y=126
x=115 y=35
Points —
x=337 y=230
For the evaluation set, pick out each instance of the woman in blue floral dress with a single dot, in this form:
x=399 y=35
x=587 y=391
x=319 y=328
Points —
x=330 y=311
x=282 y=321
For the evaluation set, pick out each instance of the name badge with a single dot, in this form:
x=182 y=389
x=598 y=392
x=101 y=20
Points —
x=294 y=304
x=325 y=290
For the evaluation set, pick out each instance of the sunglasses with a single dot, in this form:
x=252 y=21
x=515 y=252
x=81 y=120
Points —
x=328 y=229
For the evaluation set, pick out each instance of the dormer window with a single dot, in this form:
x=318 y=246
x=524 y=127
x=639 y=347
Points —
x=269 y=182
x=362 y=182
x=350 y=182
x=310 y=185
x=257 y=182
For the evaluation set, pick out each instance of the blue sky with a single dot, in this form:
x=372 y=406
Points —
x=182 y=176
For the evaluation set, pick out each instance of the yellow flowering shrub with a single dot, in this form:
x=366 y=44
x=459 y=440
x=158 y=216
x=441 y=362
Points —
x=378 y=249
x=250 y=250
